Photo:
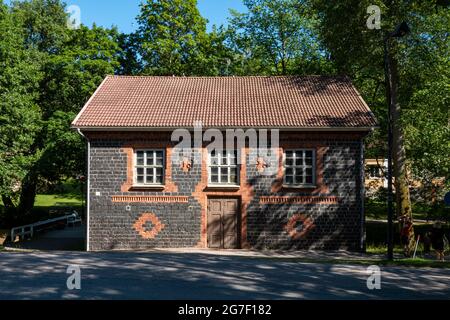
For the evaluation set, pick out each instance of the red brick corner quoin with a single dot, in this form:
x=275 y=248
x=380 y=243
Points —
x=139 y=226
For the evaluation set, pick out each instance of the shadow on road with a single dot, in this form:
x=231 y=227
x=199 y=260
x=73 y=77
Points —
x=192 y=276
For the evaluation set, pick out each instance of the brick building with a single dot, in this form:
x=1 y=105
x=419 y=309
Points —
x=140 y=197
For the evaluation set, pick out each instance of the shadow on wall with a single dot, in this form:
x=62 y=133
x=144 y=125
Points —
x=335 y=226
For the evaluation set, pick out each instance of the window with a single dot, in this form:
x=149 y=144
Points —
x=374 y=172
x=299 y=167
x=223 y=168
x=149 y=167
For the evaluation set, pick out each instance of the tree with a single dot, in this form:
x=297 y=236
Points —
x=130 y=63
x=278 y=38
x=70 y=65
x=171 y=36
x=358 y=51
x=19 y=114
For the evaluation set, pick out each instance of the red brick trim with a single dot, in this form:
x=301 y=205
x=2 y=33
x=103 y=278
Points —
x=150 y=199
x=128 y=149
x=299 y=200
x=202 y=193
x=308 y=226
x=321 y=150
x=139 y=226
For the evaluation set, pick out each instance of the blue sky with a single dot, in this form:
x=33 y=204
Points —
x=122 y=13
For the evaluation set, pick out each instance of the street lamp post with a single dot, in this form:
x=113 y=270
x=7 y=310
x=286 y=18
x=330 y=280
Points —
x=401 y=30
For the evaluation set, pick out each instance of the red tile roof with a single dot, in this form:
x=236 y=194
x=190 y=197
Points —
x=311 y=102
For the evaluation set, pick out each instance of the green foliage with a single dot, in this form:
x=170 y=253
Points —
x=19 y=114
x=48 y=73
x=128 y=58
x=423 y=58
x=55 y=201
x=277 y=38
x=171 y=37
x=426 y=116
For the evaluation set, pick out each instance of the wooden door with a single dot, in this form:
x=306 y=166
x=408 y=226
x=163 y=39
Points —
x=223 y=223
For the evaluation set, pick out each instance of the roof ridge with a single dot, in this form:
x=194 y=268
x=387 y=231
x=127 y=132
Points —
x=231 y=77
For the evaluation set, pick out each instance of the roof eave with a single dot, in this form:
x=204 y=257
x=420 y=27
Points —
x=318 y=129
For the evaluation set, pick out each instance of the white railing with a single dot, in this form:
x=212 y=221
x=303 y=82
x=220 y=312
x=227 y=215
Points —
x=29 y=229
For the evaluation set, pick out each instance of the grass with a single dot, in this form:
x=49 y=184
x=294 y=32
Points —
x=405 y=262
x=380 y=249
x=47 y=207
x=377 y=210
x=46 y=201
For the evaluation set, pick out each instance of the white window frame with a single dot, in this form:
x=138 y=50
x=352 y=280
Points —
x=145 y=166
x=220 y=166
x=303 y=167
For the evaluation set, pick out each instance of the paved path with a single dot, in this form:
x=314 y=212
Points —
x=69 y=238
x=168 y=275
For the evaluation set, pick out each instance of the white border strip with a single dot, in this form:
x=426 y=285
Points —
x=88 y=187
x=315 y=129
x=89 y=101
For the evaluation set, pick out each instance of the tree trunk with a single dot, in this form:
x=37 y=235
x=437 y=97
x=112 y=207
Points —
x=8 y=203
x=403 y=199
x=28 y=195
x=399 y=157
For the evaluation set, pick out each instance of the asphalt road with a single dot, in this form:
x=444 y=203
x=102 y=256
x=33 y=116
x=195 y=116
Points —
x=194 y=276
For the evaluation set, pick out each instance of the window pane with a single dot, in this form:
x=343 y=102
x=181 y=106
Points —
x=224 y=159
x=215 y=171
x=159 y=158
x=289 y=179
x=233 y=175
x=140 y=158
x=289 y=154
x=224 y=175
x=233 y=158
x=214 y=159
x=299 y=178
x=140 y=175
x=214 y=178
x=308 y=154
x=309 y=179
x=309 y=172
x=299 y=160
x=308 y=161
x=149 y=175
x=289 y=162
x=150 y=158
x=159 y=175
x=289 y=171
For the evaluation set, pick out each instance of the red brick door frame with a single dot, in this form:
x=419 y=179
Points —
x=237 y=222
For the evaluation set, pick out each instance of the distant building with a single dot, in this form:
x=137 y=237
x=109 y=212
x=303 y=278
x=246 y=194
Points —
x=375 y=170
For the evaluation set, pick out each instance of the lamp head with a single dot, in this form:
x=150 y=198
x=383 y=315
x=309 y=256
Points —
x=401 y=30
